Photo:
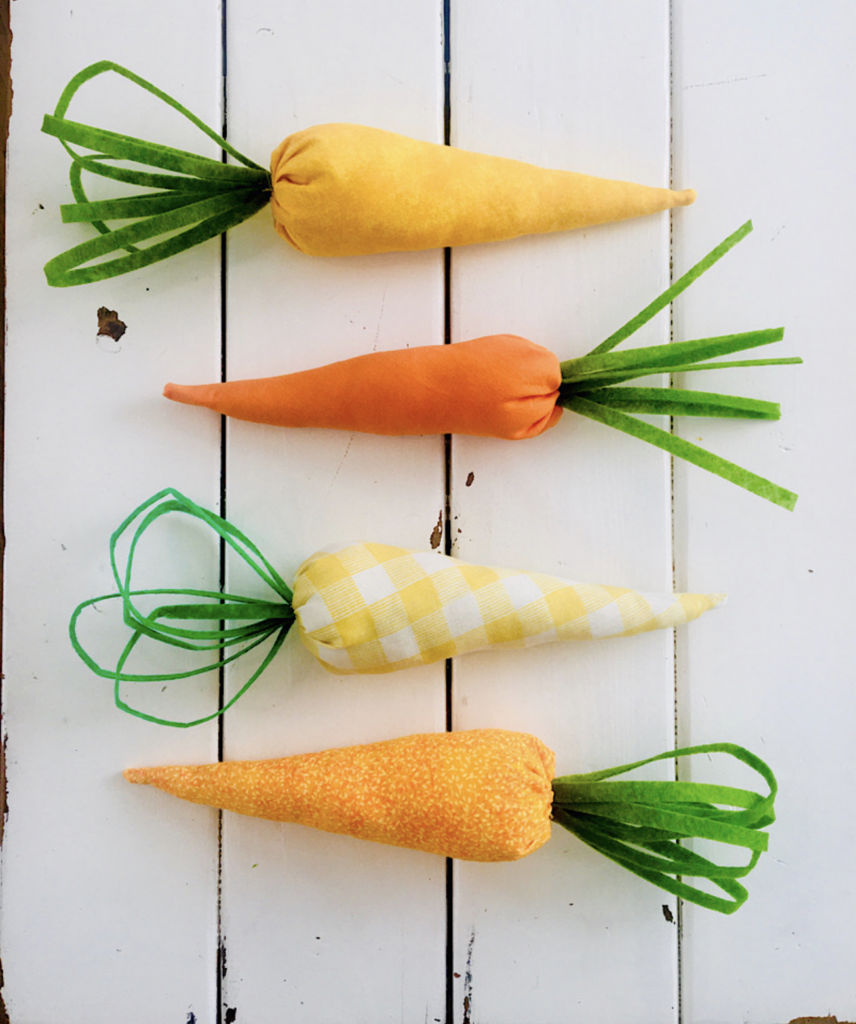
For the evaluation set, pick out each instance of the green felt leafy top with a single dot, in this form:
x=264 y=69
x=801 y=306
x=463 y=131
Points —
x=260 y=619
x=589 y=384
x=200 y=198
x=639 y=824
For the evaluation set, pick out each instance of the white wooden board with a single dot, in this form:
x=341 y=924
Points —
x=109 y=903
x=121 y=903
x=576 y=502
x=761 y=97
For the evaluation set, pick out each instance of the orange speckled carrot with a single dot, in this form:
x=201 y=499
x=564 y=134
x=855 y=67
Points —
x=482 y=795
x=490 y=795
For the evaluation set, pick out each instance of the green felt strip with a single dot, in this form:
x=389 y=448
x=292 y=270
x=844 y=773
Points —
x=606 y=378
x=151 y=154
x=667 y=356
x=682 y=449
x=64 y=270
x=680 y=402
x=131 y=176
x=658 y=873
x=104 y=66
x=639 y=824
x=266 y=620
x=673 y=291
x=654 y=791
x=246 y=186
x=126 y=209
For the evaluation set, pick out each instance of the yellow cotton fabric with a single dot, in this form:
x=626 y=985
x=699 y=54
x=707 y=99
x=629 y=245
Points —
x=377 y=608
x=481 y=795
x=348 y=190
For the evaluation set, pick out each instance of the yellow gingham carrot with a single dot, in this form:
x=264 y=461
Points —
x=362 y=607
x=378 y=608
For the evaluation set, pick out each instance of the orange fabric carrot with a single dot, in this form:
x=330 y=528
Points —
x=490 y=795
x=498 y=386
x=507 y=387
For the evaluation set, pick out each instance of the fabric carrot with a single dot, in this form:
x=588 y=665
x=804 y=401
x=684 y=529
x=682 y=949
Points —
x=489 y=795
x=507 y=387
x=499 y=386
x=334 y=190
x=365 y=608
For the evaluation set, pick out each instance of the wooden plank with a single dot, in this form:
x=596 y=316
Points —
x=109 y=903
x=582 y=86
x=302 y=908
x=762 y=94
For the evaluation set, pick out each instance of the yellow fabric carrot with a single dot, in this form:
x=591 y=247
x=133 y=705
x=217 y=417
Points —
x=349 y=190
x=490 y=795
x=334 y=189
x=365 y=607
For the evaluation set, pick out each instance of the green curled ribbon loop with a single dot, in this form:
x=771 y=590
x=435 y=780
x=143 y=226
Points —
x=588 y=384
x=261 y=619
x=638 y=824
x=199 y=199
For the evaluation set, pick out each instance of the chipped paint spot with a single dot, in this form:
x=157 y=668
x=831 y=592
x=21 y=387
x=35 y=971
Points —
x=667 y=913
x=110 y=324
x=470 y=477
x=437 y=532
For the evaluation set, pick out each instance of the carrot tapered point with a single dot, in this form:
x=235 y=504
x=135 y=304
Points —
x=191 y=394
x=685 y=197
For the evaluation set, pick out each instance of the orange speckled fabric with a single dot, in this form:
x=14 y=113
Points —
x=481 y=795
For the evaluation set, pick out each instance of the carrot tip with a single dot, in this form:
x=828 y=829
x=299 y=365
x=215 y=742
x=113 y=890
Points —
x=136 y=775
x=189 y=394
x=685 y=197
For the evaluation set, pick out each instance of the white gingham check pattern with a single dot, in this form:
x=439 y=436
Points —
x=376 y=608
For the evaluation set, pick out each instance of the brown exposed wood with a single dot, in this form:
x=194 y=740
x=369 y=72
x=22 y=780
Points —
x=5 y=110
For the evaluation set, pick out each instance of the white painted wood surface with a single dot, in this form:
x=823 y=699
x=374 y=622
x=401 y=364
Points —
x=115 y=901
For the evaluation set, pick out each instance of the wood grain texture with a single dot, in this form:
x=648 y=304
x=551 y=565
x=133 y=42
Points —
x=102 y=894
x=301 y=908
x=566 y=932
x=760 y=96
x=120 y=903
